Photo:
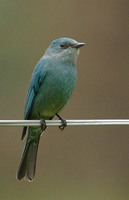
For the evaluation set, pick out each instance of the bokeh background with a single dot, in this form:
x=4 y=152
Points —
x=82 y=162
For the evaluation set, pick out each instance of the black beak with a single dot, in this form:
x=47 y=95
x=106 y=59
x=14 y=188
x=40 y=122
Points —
x=79 y=44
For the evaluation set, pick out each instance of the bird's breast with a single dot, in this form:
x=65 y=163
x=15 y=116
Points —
x=55 y=91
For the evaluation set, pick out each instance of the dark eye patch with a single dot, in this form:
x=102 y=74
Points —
x=62 y=45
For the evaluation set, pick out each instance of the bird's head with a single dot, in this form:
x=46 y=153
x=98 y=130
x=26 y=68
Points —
x=65 y=49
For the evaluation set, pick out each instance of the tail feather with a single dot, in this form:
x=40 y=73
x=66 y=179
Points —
x=24 y=132
x=31 y=161
x=28 y=160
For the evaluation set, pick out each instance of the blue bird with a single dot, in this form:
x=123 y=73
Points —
x=52 y=83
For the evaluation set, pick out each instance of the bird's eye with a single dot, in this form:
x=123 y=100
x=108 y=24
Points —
x=62 y=45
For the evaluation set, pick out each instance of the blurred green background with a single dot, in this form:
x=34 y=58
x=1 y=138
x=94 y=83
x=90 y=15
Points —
x=82 y=163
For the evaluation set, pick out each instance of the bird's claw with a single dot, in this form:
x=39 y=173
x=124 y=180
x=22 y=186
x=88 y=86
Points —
x=63 y=122
x=43 y=124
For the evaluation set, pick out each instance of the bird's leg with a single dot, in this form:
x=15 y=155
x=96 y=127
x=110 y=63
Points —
x=43 y=124
x=63 y=122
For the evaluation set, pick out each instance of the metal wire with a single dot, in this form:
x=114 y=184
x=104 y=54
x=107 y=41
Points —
x=87 y=122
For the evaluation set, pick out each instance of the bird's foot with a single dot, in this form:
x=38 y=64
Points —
x=43 y=124
x=63 y=122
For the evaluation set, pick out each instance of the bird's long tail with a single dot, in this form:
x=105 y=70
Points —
x=28 y=160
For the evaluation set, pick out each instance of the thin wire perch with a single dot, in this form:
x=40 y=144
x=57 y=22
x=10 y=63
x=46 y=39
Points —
x=84 y=122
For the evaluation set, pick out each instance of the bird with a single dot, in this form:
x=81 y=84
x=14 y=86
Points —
x=52 y=83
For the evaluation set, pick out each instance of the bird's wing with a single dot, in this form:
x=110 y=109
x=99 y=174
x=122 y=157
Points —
x=36 y=80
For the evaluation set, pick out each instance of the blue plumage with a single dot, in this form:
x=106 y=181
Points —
x=51 y=86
